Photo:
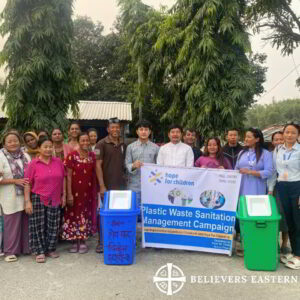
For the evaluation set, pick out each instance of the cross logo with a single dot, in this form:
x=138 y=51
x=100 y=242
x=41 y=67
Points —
x=169 y=279
x=155 y=177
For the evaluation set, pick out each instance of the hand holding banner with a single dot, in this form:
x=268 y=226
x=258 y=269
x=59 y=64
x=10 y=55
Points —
x=189 y=208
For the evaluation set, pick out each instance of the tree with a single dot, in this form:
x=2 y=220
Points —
x=42 y=82
x=196 y=62
x=280 y=112
x=280 y=19
x=206 y=65
x=102 y=61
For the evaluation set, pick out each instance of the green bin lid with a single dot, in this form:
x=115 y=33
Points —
x=258 y=208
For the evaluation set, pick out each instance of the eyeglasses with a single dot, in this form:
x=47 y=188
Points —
x=113 y=121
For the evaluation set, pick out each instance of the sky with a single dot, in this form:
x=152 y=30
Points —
x=281 y=79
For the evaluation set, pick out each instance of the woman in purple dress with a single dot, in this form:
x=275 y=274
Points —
x=256 y=165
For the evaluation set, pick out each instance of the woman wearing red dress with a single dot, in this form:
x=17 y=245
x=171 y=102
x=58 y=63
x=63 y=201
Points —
x=78 y=216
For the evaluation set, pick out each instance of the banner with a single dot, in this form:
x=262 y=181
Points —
x=189 y=208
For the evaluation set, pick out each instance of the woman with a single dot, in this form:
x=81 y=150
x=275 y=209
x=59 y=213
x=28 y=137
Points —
x=31 y=142
x=93 y=135
x=255 y=165
x=286 y=160
x=42 y=133
x=60 y=149
x=13 y=162
x=213 y=156
x=74 y=131
x=43 y=197
x=277 y=139
x=78 y=217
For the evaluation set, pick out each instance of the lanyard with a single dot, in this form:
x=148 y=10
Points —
x=287 y=157
x=251 y=162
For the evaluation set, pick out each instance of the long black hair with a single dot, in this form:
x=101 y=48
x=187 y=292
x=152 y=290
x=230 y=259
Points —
x=219 y=154
x=259 y=146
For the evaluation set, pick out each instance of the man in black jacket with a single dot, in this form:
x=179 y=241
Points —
x=189 y=138
x=232 y=149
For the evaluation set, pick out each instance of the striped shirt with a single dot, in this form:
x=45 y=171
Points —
x=144 y=152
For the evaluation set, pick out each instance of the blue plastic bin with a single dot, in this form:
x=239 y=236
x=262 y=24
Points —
x=119 y=232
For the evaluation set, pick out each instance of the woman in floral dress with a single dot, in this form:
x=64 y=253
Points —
x=78 y=216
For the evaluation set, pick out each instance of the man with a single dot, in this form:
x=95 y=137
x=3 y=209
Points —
x=189 y=138
x=137 y=153
x=232 y=149
x=110 y=155
x=175 y=153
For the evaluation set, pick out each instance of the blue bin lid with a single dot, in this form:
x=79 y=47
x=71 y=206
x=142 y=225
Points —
x=111 y=205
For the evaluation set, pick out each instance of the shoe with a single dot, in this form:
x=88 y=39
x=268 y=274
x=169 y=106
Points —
x=99 y=248
x=10 y=258
x=53 y=254
x=293 y=263
x=286 y=258
x=40 y=258
x=83 y=249
x=74 y=248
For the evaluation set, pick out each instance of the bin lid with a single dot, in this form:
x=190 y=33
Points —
x=120 y=200
x=258 y=206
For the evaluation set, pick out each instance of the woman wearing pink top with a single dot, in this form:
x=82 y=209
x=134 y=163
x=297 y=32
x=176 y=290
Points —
x=60 y=149
x=43 y=196
x=213 y=156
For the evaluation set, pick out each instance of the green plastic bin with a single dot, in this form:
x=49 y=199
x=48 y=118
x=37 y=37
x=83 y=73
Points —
x=259 y=223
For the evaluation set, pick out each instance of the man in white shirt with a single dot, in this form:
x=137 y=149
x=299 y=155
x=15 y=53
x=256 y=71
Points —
x=175 y=153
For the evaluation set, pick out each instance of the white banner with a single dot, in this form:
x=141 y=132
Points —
x=189 y=208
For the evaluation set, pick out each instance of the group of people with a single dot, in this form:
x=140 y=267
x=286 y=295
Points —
x=52 y=189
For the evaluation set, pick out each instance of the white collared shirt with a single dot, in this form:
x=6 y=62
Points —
x=287 y=164
x=176 y=155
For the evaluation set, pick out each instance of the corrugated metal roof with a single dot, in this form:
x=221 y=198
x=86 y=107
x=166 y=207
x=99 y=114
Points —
x=96 y=110
x=100 y=110
x=267 y=132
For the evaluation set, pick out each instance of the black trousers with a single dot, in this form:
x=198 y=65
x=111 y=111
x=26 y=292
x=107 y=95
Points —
x=289 y=193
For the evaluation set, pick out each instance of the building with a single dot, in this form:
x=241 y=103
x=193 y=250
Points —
x=94 y=114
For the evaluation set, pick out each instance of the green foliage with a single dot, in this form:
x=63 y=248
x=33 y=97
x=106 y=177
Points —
x=42 y=81
x=103 y=62
x=280 y=19
x=195 y=62
x=281 y=112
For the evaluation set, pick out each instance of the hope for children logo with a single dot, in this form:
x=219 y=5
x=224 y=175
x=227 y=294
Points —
x=169 y=279
x=156 y=177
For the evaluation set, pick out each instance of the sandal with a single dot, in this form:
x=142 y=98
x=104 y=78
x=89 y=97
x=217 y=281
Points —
x=286 y=258
x=99 y=248
x=53 y=254
x=10 y=258
x=40 y=258
x=293 y=263
x=83 y=249
x=74 y=248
